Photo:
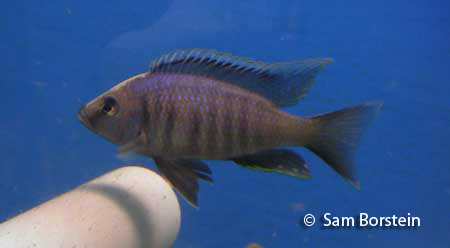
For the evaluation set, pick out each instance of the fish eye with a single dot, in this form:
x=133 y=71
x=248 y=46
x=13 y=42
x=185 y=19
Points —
x=109 y=106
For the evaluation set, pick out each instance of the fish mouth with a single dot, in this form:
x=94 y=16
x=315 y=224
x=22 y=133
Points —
x=83 y=118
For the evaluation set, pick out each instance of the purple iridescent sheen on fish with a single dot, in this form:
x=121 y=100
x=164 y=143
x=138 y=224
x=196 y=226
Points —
x=203 y=105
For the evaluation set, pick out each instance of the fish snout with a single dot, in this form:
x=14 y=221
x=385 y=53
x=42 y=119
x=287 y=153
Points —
x=83 y=118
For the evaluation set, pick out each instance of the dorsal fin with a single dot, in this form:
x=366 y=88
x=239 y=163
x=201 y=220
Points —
x=283 y=83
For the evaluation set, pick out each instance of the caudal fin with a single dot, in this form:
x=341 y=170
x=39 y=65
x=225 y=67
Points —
x=337 y=136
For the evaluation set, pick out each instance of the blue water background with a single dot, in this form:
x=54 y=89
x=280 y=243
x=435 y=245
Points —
x=57 y=55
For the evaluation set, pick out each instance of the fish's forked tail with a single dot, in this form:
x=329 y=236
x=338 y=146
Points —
x=336 y=136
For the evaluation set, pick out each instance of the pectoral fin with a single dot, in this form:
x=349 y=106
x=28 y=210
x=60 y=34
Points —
x=183 y=175
x=136 y=146
x=281 y=161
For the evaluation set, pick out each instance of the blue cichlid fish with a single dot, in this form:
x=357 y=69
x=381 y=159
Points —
x=197 y=105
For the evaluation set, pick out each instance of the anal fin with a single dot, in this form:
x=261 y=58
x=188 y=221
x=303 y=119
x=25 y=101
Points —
x=281 y=161
x=183 y=174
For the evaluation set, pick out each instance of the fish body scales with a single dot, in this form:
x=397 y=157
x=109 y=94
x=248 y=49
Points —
x=197 y=104
x=192 y=116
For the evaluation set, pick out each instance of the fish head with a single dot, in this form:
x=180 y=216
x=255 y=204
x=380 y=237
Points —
x=115 y=115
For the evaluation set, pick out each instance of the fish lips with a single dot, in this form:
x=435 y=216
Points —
x=84 y=119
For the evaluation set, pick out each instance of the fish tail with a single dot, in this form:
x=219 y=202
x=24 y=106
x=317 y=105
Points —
x=335 y=137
